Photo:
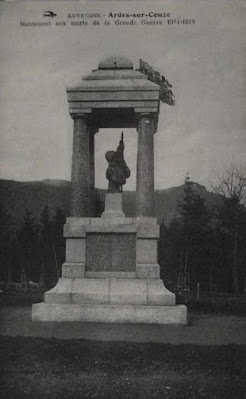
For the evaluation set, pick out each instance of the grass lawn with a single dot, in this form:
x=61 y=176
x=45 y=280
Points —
x=54 y=368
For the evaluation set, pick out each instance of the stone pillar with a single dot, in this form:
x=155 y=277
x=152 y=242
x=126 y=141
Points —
x=92 y=173
x=145 y=166
x=80 y=184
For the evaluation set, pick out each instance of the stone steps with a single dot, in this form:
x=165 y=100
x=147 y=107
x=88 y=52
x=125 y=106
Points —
x=110 y=313
x=110 y=291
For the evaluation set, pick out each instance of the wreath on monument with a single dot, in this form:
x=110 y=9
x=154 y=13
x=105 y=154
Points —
x=166 y=94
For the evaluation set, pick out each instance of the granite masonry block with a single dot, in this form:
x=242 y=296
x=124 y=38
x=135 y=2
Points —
x=75 y=250
x=90 y=274
x=146 y=251
x=112 y=228
x=128 y=292
x=113 y=221
x=159 y=295
x=61 y=293
x=75 y=231
x=110 y=313
x=90 y=291
x=148 y=271
x=78 y=221
x=151 y=230
x=73 y=270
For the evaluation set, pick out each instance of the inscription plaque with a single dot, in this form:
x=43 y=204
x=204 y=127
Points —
x=111 y=252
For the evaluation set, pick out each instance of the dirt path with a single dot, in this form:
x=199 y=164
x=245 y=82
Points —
x=201 y=330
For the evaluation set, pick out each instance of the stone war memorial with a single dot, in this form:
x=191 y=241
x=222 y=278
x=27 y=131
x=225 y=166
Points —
x=111 y=273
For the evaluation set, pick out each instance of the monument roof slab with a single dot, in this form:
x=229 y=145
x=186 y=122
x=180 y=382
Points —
x=114 y=74
x=114 y=62
x=117 y=87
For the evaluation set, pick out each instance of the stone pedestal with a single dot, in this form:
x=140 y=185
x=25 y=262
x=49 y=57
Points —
x=111 y=273
x=113 y=206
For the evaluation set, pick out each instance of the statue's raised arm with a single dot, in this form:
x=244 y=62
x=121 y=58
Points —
x=117 y=171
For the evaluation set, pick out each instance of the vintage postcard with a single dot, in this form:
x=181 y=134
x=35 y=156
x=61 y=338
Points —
x=123 y=194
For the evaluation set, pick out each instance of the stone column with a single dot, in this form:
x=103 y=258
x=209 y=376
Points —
x=92 y=173
x=80 y=185
x=145 y=166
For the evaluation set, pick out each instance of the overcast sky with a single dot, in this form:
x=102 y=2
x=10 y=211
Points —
x=205 y=62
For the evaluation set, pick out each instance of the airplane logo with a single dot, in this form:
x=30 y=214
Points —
x=49 y=14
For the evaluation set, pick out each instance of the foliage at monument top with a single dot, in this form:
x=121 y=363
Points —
x=166 y=94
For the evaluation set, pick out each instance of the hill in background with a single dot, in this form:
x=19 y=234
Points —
x=16 y=197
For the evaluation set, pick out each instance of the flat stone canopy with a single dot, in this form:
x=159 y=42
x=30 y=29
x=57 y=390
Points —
x=115 y=62
x=113 y=95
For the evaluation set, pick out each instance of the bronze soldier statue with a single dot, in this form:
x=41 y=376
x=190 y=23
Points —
x=117 y=171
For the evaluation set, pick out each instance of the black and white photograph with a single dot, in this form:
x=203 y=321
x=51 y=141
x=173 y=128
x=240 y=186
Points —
x=123 y=199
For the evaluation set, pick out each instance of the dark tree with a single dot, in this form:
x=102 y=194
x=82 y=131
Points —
x=46 y=227
x=27 y=247
x=58 y=240
x=168 y=253
x=46 y=247
x=231 y=187
x=194 y=231
x=6 y=242
x=171 y=256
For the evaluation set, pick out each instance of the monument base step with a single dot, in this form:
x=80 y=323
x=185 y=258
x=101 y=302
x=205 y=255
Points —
x=110 y=291
x=109 y=313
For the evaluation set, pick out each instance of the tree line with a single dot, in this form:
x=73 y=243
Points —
x=32 y=251
x=207 y=244
x=203 y=244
